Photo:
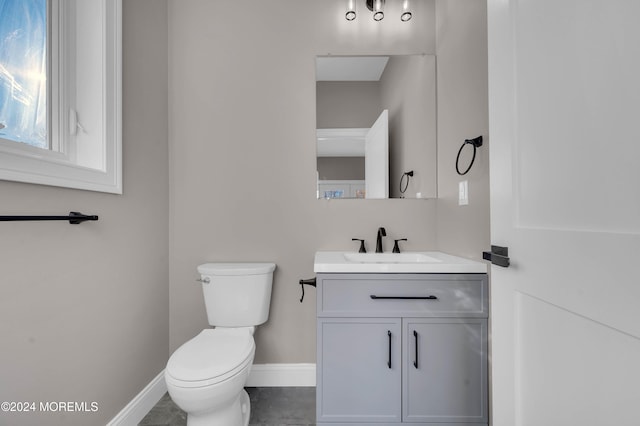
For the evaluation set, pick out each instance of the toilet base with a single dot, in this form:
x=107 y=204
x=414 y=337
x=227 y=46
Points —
x=236 y=414
x=245 y=406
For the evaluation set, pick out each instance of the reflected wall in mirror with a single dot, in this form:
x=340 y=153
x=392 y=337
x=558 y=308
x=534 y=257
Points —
x=376 y=120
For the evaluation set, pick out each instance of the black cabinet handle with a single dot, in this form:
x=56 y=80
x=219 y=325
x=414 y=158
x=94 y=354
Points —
x=374 y=297
x=415 y=362
x=389 y=361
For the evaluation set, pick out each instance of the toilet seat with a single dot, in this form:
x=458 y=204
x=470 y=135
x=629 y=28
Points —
x=213 y=356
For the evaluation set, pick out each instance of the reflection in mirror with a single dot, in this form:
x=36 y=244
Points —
x=375 y=120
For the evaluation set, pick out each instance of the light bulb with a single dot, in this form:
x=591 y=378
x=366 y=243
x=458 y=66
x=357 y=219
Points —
x=406 y=11
x=378 y=13
x=351 y=10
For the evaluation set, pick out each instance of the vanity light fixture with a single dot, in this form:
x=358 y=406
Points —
x=377 y=8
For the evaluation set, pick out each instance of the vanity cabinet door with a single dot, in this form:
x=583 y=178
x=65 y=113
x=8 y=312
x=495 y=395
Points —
x=359 y=370
x=445 y=370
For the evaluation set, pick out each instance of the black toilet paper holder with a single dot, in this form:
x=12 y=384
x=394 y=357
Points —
x=309 y=281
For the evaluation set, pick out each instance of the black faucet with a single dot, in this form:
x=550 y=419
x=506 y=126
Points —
x=362 y=249
x=396 y=249
x=381 y=233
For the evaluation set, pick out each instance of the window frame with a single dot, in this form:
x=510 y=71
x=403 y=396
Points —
x=59 y=167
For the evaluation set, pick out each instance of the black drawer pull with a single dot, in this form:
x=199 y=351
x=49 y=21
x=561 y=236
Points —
x=374 y=297
x=415 y=362
x=389 y=362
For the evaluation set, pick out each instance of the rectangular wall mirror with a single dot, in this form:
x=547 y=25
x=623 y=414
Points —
x=376 y=122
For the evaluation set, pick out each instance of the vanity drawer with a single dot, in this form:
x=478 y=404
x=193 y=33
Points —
x=397 y=295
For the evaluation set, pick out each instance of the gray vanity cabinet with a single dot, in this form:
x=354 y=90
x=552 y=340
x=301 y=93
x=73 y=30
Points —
x=402 y=348
x=445 y=370
x=361 y=374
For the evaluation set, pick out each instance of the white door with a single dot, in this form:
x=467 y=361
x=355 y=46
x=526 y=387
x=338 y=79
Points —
x=376 y=158
x=564 y=90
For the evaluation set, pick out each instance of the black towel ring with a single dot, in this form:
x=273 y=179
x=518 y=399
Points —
x=404 y=187
x=476 y=142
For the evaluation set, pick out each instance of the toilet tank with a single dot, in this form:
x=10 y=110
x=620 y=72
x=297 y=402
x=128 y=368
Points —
x=237 y=294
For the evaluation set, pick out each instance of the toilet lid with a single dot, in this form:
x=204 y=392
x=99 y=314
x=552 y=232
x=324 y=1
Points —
x=212 y=353
x=237 y=268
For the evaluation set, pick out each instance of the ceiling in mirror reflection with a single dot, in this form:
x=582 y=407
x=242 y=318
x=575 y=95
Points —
x=350 y=68
x=341 y=142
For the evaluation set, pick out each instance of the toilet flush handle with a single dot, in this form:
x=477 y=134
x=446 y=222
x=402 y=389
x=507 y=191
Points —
x=205 y=280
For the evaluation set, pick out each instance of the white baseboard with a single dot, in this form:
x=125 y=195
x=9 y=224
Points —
x=282 y=375
x=141 y=404
x=262 y=375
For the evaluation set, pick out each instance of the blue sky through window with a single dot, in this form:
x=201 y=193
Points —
x=23 y=71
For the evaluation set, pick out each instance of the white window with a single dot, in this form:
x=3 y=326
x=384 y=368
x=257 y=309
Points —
x=60 y=93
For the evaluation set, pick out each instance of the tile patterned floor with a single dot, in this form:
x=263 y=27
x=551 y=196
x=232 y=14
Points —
x=269 y=407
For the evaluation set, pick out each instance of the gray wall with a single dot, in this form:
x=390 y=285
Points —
x=462 y=114
x=242 y=153
x=408 y=90
x=346 y=104
x=84 y=308
x=341 y=168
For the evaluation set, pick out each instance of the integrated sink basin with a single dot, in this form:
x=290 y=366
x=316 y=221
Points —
x=407 y=262
x=390 y=258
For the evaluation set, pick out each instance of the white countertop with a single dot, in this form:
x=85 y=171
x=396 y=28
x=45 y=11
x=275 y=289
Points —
x=437 y=262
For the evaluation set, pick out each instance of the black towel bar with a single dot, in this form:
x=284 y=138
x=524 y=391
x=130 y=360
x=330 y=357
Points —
x=74 y=218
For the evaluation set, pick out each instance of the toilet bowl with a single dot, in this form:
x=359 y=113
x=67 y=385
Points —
x=206 y=376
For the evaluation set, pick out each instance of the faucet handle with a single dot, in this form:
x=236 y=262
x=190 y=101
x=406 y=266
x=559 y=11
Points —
x=396 y=249
x=362 y=249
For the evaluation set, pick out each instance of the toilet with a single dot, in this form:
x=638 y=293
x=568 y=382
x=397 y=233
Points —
x=206 y=376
